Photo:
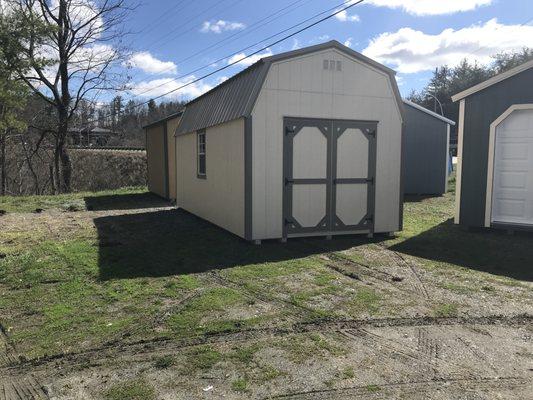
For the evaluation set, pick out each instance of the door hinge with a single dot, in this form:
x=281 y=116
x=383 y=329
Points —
x=287 y=221
x=288 y=181
x=370 y=219
x=370 y=180
x=288 y=130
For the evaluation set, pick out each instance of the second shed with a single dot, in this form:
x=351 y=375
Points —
x=427 y=151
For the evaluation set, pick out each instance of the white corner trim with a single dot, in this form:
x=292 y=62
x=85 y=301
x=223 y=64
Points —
x=492 y=81
x=459 y=171
x=492 y=147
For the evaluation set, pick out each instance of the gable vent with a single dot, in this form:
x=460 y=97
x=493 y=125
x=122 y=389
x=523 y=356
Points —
x=332 y=65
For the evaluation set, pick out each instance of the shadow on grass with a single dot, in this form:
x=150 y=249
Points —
x=174 y=242
x=482 y=250
x=124 y=201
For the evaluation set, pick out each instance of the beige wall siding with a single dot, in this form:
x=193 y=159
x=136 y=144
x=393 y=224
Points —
x=220 y=197
x=171 y=129
x=155 y=159
x=300 y=87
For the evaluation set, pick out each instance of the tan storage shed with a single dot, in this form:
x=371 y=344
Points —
x=161 y=156
x=302 y=143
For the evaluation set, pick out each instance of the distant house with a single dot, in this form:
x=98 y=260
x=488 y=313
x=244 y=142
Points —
x=495 y=154
x=90 y=137
x=427 y=161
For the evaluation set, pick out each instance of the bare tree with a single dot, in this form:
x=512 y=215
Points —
x=83 y=50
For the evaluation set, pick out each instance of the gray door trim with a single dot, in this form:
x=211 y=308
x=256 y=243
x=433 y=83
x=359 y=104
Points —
x=291 y=127
x=369 y=129
x=332 y=130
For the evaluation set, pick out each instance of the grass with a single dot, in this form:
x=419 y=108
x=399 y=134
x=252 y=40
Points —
x=66 y=202
x=203 y=358
x=70 y=281
x=446 y=310
x=240 y=385
x=136 y=389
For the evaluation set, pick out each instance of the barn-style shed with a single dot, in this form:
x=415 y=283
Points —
x=495 y=153
x=427 y=151
x=307 y=142
x=161 y=156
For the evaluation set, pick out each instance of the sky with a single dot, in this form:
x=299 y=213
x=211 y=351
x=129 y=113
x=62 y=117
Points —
x=173 y=42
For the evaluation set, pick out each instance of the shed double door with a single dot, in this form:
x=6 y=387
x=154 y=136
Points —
x=329 y=176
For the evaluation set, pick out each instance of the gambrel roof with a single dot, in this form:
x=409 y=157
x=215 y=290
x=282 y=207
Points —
x=236 y=97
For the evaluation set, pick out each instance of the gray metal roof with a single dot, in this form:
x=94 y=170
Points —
x=236 y=97
x=429 y=112
x=165 y=119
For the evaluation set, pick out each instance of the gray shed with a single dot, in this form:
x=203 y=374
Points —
x=427 y=151
x=495 y=152
x=307 y=142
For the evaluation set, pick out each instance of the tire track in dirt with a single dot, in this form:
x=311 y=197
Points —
x=24 y=387
x=420 y=386
x=167 y=345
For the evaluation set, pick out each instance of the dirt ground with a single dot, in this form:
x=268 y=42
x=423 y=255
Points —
x=434 y=333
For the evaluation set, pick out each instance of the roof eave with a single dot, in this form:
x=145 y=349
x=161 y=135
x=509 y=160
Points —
x=492 y=81
x=429 y=112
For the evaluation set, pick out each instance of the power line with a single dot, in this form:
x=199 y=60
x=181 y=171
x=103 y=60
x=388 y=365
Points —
x=241 y=34
x=353 y=4
x=191 y=20
x=253 y=45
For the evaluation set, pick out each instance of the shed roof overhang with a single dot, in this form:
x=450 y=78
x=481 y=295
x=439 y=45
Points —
x=492 y=81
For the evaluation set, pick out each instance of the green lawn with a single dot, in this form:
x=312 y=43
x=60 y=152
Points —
x=72 y=279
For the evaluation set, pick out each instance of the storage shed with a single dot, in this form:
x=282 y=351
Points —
x=307 y=142
x=427 y=151
x=495 y=153
x=161 y=156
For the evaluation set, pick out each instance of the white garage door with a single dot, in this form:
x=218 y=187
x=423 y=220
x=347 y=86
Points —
x=512 y=198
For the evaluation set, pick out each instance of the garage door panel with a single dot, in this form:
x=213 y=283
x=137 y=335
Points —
x=513 y=180
x=512 y=197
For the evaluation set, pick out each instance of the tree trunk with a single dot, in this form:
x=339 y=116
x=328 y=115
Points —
x=3 y=177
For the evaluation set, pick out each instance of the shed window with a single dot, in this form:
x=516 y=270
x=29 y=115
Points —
x=201 y=152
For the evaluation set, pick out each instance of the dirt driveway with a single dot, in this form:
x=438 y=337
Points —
x=92 y=309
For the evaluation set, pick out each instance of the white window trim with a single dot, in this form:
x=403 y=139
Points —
x=492 y=148
x=198 y=154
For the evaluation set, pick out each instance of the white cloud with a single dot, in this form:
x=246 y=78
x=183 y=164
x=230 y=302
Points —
x=221 y=26
x=323 y=38
x=151 y=65
x=295 y=44
x=343 y=16
x=412 y=51
x=431 y=7
x=159 y=87
x=348 y=42
x=250 y=60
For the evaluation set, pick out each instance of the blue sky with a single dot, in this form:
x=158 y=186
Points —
x=410 y=36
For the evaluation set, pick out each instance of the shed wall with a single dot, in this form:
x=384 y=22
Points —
x=426 y=148
x=155 y=158
x=171 y=140
x=481 y=109
x=301 y=87
x=219 y=198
